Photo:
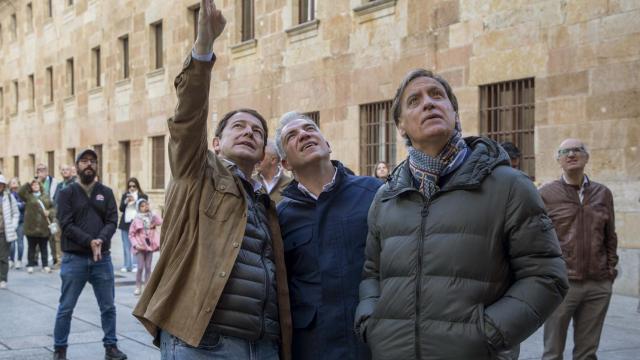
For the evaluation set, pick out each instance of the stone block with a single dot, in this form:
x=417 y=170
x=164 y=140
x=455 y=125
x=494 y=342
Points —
x=616 y=77
x=566 y=110
x=508 y=65
x=618 y=6
x=621 y=104
x=446 y=13
x=568 y=84
x=474 y=9
x=518 y=36
x=583 y=10
x=572 y=59
x=620 y=24
x=453 y=58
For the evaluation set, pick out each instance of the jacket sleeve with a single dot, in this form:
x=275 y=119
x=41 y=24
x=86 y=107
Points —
x=370 y=285
x=188 y=127
x=133 y=232
x=65 y=217
x=111 y=218
x=15 y=212
x=611 y=238
x=539 y=272
x=123 y=203
x=157 y=220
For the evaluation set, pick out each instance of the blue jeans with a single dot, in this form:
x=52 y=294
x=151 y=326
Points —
x=221 y=347
x=76 y=271
x=129 y=261
x=19 y=242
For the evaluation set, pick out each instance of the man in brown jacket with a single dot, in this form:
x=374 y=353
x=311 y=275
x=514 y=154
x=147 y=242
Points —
x=219 y=289
x=583 y=215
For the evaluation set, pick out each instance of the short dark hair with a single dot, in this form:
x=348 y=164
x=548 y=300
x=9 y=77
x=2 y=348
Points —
x=396 y=107
x=511 y=149
x=135 y=181
x=225 y=119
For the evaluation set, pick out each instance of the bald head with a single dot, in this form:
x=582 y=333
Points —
x=572 y=156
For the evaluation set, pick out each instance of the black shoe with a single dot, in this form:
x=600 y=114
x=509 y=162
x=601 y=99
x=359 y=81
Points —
x=60 y=354
x=111 y=352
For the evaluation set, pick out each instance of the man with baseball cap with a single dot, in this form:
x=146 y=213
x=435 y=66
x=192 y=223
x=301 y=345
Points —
x=9 y=217
x=88 y=215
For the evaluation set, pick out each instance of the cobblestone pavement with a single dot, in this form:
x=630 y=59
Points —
x=28 y=308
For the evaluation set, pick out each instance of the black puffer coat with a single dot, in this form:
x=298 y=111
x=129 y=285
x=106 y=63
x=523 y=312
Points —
x=475 y=270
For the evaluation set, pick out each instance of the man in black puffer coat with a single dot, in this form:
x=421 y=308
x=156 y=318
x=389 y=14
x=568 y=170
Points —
x=461 y=260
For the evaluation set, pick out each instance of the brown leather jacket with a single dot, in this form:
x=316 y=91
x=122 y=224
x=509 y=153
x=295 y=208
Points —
x=586 y=230
x=203 y=228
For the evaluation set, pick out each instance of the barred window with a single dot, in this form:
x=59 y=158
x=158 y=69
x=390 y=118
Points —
x=157 y=162
x=124 y=52
x=247 y=20
x=97 y=71
x=125 y=152
x=377 y=136
x=314 y=115
x=507 y=114
x=32 y=92
x=306 y=11
x=51 y=161
x=158 y=51
x=16 y=166
x=98 y=150
x=49 y=85
x=70 y=78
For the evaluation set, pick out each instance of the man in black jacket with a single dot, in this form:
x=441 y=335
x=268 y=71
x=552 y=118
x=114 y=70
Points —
x=88 y=215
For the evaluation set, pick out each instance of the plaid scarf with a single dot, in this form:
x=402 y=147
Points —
x=427 y=170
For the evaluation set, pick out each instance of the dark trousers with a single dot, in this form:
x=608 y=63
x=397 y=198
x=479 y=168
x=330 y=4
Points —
x=41 y=243
x=586 y=303
x=4 y=257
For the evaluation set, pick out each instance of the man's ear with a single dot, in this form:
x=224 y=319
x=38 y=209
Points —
x=329 y=146
x=285 y=164
x=216 y=145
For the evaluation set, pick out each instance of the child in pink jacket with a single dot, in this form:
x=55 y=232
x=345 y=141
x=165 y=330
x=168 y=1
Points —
x=145 y=240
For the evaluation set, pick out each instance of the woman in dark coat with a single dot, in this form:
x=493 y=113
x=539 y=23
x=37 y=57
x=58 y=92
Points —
x=38 y=214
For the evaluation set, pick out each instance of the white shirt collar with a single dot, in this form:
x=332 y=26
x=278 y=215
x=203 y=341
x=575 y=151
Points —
x=270 y=185
x=326 y=188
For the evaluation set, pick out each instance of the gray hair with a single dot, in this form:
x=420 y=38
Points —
x=271 y=147
x=284 y=121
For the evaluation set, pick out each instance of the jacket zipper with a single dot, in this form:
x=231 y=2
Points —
x=423 y=217
x=266 y=278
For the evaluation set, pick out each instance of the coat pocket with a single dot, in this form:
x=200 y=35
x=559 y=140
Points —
x=303 y=316
x=223 y=199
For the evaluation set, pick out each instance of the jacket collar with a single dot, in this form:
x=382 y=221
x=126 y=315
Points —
x=293 y=191
x=485 y=156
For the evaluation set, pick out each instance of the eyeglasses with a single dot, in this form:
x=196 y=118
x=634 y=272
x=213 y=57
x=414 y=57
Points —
x=87 y=161
x=132 y=186
x=576 y=150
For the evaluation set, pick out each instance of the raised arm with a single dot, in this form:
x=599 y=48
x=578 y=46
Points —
x=188 y=127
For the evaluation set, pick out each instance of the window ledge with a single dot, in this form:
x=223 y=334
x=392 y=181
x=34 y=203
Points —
x=245 y=48
x=303 y=28
x=69 y=99
x=374 y=7
x=31 y=111
x=155 y=72
x=48 y=105
x=95 y=90
x=123 y=82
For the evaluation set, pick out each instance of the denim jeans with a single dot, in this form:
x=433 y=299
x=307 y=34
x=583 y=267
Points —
x=129 y=261
x=222 y=348
x=19 y=243
x=75 y=272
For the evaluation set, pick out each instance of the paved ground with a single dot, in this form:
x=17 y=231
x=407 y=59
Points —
x=28 y=308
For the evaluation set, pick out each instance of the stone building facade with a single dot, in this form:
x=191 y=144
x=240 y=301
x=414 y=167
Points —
x=97 y=72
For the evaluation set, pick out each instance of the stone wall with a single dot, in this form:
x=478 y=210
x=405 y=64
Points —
x=583 y=54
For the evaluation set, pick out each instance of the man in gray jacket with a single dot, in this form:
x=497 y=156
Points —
x=461 y=260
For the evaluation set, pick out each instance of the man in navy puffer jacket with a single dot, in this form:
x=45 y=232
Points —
x=323 y=218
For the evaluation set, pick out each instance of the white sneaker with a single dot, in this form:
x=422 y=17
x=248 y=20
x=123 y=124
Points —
x=3 y=284
x=124 y=269
x=47 y=269
x=30 y=269
x=18 y=264
x=11 y=264
x=137 y=291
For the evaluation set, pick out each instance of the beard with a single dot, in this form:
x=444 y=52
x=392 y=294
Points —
x=86 y=177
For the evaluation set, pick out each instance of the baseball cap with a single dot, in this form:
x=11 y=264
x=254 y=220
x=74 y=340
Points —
x=85 y=152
